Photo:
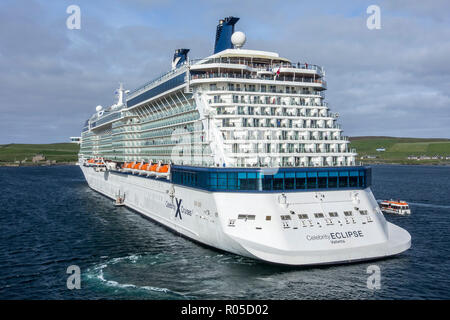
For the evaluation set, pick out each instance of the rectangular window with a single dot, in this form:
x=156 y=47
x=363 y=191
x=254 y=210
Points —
x=222 y=180
x=267 y=182
x=343 y=179
x=318 y=215
x=242 y=181
x=246 y=217
x=300 y=180
x=232 y=181
x=333 y=214
x=289 y=180
x=323 y=180
x=278 y=183
x=348 y=213
x=251 y=181
x=362 y=179
x=353 y=179
x=333 y=180
x=312 y=180
x=303 y=216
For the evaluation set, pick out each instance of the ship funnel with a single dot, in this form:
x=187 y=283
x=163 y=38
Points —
x=225 y=29
x=179 y=57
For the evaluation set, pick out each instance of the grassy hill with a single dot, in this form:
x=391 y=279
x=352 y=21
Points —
x=399 y=149
x=60 y=152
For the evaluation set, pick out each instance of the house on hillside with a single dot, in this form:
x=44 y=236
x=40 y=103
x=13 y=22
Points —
x=38 y=157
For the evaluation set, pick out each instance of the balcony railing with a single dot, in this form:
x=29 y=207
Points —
x=261 y=66
x=212 y=75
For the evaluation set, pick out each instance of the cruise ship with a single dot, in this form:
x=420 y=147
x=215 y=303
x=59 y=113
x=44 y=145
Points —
x=239 y=151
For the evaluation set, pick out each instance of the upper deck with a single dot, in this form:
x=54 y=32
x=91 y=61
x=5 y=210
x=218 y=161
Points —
x=234 y=108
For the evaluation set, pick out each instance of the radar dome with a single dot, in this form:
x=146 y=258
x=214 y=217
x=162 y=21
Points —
x=99 y=108
x=238 y=39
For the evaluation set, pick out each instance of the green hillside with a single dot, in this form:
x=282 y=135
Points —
x=59 y=152
x=399 y=149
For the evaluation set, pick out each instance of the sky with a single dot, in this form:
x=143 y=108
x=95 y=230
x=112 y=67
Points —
x=392 y=81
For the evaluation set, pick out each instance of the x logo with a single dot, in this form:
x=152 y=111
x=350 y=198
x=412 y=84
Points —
x=178 y=208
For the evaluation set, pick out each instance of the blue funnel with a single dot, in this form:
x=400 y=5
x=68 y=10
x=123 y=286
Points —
x=225 y=29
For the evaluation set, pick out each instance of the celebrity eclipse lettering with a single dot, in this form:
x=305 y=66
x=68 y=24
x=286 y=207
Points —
x=336 y=237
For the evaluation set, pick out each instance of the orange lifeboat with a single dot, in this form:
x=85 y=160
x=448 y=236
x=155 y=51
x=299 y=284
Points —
x=163 y=169
x=130 y=165
x=145 y=166
x=154 y=167
x=137 y=165
x=124 y=165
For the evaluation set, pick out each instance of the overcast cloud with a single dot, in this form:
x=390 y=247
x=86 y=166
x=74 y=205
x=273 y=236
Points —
x=393 y=81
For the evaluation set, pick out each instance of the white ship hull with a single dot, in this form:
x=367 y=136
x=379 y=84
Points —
x=211 y=218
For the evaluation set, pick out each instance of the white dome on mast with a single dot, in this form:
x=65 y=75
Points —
x=238 y=39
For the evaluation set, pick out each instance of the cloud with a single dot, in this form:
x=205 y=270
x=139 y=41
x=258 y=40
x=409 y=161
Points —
x=392 y=81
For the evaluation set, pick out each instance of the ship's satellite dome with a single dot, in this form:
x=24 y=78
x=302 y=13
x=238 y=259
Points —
x=238 y=39
x=99 y=108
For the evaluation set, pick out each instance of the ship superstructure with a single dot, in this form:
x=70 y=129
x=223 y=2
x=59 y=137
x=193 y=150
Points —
x=246 y=140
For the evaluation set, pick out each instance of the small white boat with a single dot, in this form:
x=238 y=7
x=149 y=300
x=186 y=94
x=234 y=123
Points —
x=120 y=200
x=399 y=207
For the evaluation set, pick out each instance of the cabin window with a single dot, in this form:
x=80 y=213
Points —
x=322 y=180
x=312 y=180
x=353 y=179
x=278 y=181
x=246 y=216
x=300 y=180
x=333 y=180
x=333 y=214
x=343 y=179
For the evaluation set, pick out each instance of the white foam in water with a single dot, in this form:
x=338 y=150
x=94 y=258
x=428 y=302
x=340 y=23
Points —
x=98 y=274
x=430 y=205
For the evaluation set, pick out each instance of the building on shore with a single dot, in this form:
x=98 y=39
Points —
x=38 y=157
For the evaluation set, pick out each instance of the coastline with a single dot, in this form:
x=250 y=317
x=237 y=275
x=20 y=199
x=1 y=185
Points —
x=375 y=163
x=12 y=165
x=407 y=163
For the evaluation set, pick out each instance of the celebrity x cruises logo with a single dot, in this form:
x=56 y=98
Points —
x=178 y=212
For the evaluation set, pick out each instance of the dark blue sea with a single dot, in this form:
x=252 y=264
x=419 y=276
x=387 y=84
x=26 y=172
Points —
x=50 y=220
